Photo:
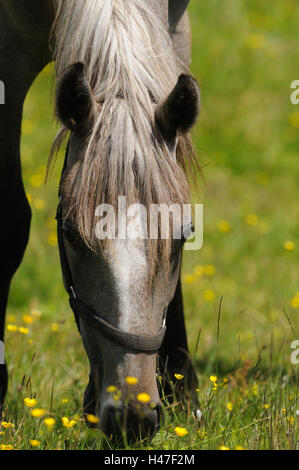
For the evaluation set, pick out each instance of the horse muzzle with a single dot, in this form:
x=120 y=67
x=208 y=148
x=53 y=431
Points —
x=130 y=422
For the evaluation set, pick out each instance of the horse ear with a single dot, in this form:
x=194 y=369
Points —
x=180 y=110
x=74 y=99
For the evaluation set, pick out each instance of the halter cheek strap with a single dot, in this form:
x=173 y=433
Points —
x=135 y=343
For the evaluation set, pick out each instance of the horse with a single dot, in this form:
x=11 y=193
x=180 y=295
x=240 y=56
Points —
x=127 y=102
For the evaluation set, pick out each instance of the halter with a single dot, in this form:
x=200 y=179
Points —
x=135 y=343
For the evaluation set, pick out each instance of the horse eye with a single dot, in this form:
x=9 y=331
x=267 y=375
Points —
x=187 y=231
x=72 y=234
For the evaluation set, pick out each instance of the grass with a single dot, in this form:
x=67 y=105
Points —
x=244 y=55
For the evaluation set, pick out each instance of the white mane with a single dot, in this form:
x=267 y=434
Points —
x=131 y=66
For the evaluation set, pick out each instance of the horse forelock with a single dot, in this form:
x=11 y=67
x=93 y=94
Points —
x=131 y=66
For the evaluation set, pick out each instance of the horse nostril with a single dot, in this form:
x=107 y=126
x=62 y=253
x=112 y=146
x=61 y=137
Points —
x=129 y=422
x=112 y=420
x=154 y=418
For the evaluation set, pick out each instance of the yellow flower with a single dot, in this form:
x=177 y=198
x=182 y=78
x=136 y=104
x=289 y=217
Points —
x=6 y=447
x=36 y=181
x=23 y=330
x=52 y=239
x=30 y=402
x=289 y=245
x=92 y=419
x=223 y=448
x=179 y=376
x=34 y=443
x=266 y=406
x=28 y=319
x=39 y=203
x=295 y=300
x=198 y=270
x=68 y=423
x=209 y=295
x=294 y=119
x=49 y=422
x=54 y=327
x=27 y=127
x=7 y=425
x=229 y=406
x=65 y=400
x=143 y=397
x=256 y=41
x=131 y=380
x=12 y=327
x=180 y=431
x=284 y=411
x=252 y=219
x=111 y=389
x=37 y=412
x=291 y=419
x=209 y=270
x=239 y=448
x=189 y=278
x=223 y=226
x=213 y=378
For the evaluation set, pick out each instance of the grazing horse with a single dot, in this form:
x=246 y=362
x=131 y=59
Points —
x=127 y=101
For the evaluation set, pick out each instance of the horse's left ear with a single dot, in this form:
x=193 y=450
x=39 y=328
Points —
x=180 y=110
x=74 y=100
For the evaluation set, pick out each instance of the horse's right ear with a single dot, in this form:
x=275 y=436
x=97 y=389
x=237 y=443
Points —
x=74 y=100
x=178 y=113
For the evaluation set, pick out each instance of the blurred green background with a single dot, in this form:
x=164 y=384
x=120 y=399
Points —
x=245 y=56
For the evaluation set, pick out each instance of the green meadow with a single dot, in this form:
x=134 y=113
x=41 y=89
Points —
x=241 y=290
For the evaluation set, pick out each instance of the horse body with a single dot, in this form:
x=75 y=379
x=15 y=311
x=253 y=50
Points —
x=24 y=51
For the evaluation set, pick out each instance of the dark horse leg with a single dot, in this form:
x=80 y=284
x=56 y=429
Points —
x=24 y=33
x=174 y=356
